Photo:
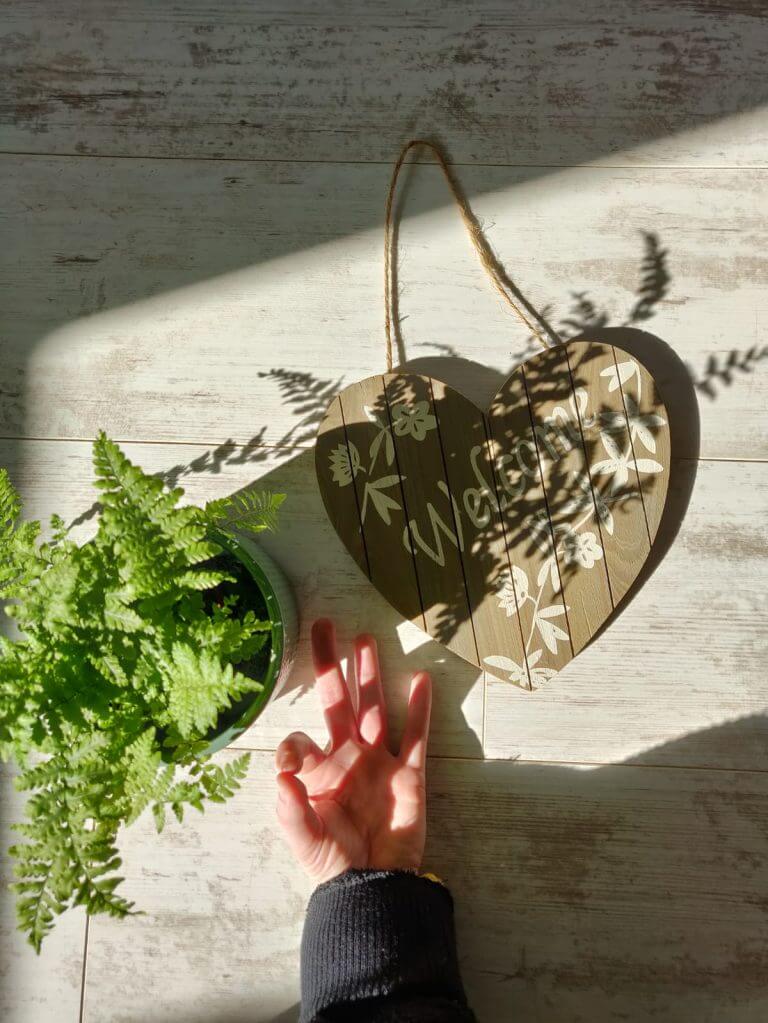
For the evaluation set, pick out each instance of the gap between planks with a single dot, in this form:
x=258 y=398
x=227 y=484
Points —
x=67 y=155
x=535 y=762
x=281 y=447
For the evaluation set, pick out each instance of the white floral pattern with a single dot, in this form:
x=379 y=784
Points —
x=581 y=548
x=555 y=545
x=414 y=419
x=619 y=464
x=345 y=463
x=516 y=673
x=512 y=590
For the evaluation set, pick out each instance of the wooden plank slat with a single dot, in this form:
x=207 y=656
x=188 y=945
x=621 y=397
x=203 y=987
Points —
x=527 y=528
x=600 y=413
x=568 y=82
x=436 y=528
x=650 y=444
x=562 y=459
x=334 y=457
x=618 y=893
x=380 y=505
x=470 y=477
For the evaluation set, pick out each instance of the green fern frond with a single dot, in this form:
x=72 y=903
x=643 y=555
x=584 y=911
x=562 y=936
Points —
x=249 y=510
x=121 y=670
x=198 y=687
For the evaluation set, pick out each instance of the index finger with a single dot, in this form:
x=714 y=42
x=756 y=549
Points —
x=334 y=695
x=413 y=749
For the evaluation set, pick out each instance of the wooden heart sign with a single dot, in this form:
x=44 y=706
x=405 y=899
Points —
x=510 y=535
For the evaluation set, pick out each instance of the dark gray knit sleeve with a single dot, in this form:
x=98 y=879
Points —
x=380 y=945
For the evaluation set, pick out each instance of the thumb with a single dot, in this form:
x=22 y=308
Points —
x=301 y=825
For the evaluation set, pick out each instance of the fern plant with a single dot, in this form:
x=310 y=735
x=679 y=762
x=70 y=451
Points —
x=123 y=664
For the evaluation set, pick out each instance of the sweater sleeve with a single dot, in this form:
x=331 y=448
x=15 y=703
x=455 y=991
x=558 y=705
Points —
x=379 y=946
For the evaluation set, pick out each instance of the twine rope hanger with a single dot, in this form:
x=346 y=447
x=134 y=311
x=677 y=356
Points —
x=487 y=257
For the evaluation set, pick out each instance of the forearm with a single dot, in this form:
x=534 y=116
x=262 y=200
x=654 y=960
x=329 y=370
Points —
x=380 y=946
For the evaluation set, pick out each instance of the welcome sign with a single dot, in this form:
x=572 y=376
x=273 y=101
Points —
x=508 y=535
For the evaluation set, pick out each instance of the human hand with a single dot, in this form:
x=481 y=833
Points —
x=355 y=804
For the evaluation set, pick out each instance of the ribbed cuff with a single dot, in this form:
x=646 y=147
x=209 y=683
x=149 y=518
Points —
x=376 y=933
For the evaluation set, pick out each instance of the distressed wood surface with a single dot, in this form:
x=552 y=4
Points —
x=617 y=893
x=200 y=301
x=620 y=893
x=566 y=82
x=34 y=989
x=224 y=905
x=696 y=627
x=191 y=219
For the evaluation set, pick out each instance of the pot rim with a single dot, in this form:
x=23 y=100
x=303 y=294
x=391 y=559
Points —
x=224 y=736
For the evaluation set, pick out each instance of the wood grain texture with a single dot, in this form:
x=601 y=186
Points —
x=390 y=565
x=641 y=398
x=345 y=512
x=34 y=989
x=224 y=905
x=568 y=82
x=172 y=313
x=620 y=893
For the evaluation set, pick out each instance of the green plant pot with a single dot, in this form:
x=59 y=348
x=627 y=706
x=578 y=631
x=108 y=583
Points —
x=281 y=608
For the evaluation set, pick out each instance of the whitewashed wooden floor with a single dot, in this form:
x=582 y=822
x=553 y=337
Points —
x=191 y=211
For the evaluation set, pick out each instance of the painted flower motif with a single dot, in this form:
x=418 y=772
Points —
x=415 y=419
x=345 y=463
x=639 y=423
x=512 y=590
x=581 y=549
x=619 y=464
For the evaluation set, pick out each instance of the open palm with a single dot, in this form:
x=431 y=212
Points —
x=355 y=804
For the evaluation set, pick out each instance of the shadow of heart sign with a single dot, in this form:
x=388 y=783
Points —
x=509 y=535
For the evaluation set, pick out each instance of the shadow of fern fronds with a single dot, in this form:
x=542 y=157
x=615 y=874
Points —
x=724 y=372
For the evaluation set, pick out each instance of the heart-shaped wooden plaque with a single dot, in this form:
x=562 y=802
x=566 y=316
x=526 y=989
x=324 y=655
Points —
x=508 y=535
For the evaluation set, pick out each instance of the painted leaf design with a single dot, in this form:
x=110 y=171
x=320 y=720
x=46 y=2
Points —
x=548 y=630
x=619 y=374
x=520 y=580
x=648 y=465
x=548 y=568
x=382 y=502
x=384 y=435
x=516 y=672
